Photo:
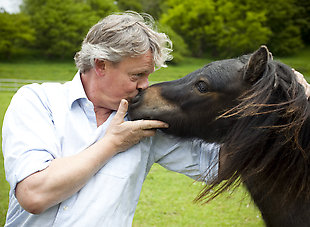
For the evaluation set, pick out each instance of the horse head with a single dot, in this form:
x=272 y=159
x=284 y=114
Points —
x=192 y=105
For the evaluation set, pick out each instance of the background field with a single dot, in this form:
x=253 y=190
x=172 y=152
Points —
x=166 y=198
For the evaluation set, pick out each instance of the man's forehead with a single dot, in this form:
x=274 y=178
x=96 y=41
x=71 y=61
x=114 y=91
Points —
x=142 y=63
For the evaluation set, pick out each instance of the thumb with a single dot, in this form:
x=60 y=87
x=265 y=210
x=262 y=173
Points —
x=122 y=110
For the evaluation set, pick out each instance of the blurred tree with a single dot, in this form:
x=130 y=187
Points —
x=154 y=7
x=61 y=25
x=282 y=20
x=15 y=34
x=303 y=19
x=190 y=19
x=231 y=27
x=241 y=27
x=180 y=48
x=31 y=6
x=134 y=5
x=102 y=8
x=222 y=27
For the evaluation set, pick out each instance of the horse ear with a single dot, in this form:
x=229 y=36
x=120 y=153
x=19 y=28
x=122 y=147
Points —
x=257 y=65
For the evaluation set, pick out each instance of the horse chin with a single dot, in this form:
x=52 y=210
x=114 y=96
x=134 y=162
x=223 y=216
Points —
x=176 y=125
x=139 y=110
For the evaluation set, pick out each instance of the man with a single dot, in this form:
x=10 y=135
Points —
x=71 y=159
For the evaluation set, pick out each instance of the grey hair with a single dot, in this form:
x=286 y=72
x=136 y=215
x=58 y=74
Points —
x=122 y=35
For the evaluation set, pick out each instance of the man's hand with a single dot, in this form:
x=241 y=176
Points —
x=125 y=134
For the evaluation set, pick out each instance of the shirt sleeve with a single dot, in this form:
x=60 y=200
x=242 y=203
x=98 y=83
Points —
x=194 y=158
x=29 y=140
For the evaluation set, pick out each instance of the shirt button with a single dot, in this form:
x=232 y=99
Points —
x=65 y=208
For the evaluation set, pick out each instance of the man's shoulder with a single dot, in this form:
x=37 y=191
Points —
x=38 y=89
x=45 y=93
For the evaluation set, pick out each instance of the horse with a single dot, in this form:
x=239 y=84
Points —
x=255 y=108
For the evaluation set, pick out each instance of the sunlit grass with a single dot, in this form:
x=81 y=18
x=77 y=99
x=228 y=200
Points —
x=167 y=200
x=5 y=98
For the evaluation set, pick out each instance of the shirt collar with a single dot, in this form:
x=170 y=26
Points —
x=76 y=90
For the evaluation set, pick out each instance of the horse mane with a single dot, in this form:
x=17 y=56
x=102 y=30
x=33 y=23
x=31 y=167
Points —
x=270 y=139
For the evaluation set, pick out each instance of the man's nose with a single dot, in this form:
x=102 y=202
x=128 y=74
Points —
x=143 y=83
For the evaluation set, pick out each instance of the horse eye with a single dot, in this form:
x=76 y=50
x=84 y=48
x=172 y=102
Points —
x=202 y=86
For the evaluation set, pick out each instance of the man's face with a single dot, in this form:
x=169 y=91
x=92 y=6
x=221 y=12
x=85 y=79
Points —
x=123 y=80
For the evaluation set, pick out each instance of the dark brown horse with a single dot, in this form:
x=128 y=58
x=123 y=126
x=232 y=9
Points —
x=256 y=108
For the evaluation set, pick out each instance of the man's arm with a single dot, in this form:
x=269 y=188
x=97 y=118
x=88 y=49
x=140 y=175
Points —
x=65 y=176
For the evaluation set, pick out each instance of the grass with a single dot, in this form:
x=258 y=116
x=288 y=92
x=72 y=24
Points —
x=4 y=186
x=300 y=62
x=38 y=70
x=64 y=71
x=166 y=198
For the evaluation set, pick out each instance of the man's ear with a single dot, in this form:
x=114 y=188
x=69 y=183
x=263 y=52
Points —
x=257 y=65
x=99 y=67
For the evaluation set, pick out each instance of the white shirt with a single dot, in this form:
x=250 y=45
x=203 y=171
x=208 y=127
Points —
x=52 y=120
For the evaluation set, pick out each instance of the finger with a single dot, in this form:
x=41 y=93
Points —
x=121 y=111
x=151 y=124
x=149 y=132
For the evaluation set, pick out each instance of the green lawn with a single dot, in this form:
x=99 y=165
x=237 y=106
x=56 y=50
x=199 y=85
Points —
x=5 y=98
x=166 y=198
x=63 y=71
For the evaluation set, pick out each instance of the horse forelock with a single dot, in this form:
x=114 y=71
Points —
x=269 y=139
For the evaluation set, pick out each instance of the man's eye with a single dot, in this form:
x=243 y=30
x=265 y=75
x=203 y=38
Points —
x=139 y=74
x=202 y=86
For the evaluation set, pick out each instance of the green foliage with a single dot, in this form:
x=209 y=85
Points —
x=240 y=29
x=129 y=5
x=286 y=35
x=102 y=8
x=15 y=34
x=287 y=41
x=218 y=28
x=227 y=28
x=190 y=19
x=303 y=19
x=154 y=7
x=180 y=48
x=60 y=25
